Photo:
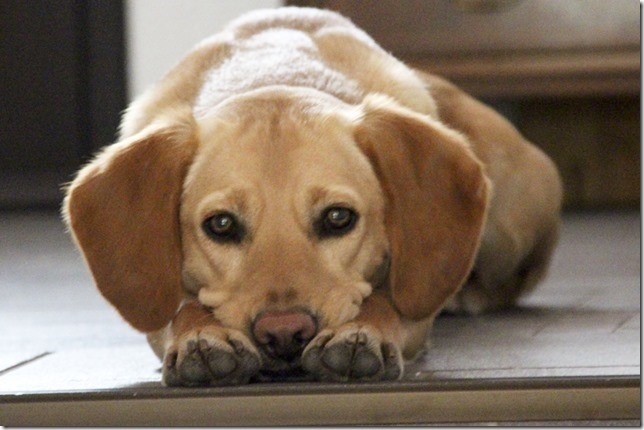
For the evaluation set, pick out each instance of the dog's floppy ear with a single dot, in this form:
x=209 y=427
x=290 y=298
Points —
x=123 y=210
x=436 y=201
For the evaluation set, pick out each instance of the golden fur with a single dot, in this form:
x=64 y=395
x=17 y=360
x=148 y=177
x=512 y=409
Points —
x=283 y=114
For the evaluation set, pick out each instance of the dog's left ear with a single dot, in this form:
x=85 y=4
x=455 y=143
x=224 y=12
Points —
x=436 y=201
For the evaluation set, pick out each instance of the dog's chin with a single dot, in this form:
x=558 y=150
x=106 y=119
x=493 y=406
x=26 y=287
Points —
x=276 y=370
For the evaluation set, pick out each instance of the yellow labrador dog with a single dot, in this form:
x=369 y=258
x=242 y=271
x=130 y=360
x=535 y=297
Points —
x=291 y=198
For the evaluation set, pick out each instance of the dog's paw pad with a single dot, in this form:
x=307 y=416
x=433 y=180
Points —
x=202 y=358
x=354 y=354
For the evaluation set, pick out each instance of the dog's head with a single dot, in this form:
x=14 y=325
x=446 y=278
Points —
x=284 y=208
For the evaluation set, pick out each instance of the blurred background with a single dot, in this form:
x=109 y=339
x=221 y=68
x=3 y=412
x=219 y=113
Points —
x=566 y=73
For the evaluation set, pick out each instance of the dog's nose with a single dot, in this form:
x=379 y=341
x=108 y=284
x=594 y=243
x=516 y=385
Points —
x=284 y=334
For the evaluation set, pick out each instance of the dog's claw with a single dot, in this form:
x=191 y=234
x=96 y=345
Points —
x=352 y=354
x=202 y=358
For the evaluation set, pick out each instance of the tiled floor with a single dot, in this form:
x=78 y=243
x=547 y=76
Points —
x=583 y=320
x=59 y=336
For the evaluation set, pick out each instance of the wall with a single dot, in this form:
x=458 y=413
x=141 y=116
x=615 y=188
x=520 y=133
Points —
x=160 y=32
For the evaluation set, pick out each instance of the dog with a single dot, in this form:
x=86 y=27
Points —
x=291 y=199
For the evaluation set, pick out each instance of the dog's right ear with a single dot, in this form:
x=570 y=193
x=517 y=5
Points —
x=437 y=195
x=123 y=211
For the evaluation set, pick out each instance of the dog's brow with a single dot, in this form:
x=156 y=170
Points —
x=324 y=196
x=232 y=199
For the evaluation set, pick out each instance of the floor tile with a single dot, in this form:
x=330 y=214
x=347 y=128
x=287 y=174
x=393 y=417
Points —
x=91 y=368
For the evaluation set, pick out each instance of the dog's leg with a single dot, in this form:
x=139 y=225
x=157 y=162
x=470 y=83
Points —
x=501 y=275
x=365 y=349
x=202 y=352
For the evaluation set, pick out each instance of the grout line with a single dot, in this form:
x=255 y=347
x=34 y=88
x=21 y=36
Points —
x=557 y=319
x=24 y=362
x=494 y=369
x=623 y=323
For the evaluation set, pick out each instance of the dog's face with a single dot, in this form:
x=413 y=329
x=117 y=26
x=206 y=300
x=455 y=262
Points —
x=280 y=211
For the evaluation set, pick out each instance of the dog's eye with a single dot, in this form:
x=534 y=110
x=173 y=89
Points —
x=224 y=227
x=336 y=221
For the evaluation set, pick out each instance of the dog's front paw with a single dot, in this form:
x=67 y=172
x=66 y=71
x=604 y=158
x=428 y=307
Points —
x=210 y=356
x=352 y=353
